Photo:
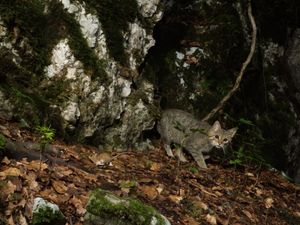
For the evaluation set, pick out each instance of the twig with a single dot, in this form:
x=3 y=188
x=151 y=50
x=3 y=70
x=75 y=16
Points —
x=243 y=68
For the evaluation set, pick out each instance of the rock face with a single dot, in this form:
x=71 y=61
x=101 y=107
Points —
x=105 y=208
x=190 y=62
x=85 y=87
x=292 y=61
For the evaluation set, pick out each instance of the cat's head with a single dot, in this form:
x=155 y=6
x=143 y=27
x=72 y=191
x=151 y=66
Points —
x=219 y=137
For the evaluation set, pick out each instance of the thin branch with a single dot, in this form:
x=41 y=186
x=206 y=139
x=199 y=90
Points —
x=243 y=68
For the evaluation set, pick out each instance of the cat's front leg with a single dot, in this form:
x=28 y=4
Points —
x=180 y=154
x=168 y=150
x=198 y=156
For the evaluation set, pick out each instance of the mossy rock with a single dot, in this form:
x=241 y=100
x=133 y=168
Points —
x=46 y=213
x=105 y=208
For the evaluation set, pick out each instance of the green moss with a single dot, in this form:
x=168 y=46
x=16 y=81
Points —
x=131 y=211
x=46 y=216
x=114 y=17
x=136 y=96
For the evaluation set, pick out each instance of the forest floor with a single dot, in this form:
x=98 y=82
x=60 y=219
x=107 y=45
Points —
x=221 y=194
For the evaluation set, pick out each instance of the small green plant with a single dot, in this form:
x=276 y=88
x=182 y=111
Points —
x=239 y=157
x=193 y=170
x=46 y=136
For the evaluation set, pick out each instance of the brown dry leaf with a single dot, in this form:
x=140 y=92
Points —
x=249 y=174
x=22 y=219
x=61 y=199
x=155 y=166
x=86 y=175
x=12 y=171
x=35 y=165
x=216 y=188
x=259 y=192
x=9 y=188
x=269 y=203
x=149 y=191
x=11 y=221
x=5 y=161
x=248 y=214
x=32 y=183
x=59 y=187
x=190 y=221
x=22 y=203
x=17 y=182
x=78 y=223
x=160 y=188
x=147 y=180
x=62 y=171
x=218 y=193
x=200 y=204
x=49 y=194
x=78 y=205
x=211 y=219
x=175 y=198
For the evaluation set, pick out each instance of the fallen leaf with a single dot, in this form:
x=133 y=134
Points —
x=248 y=214
x=269 y=203
x=297 y=214
x=5 y=131
x=160 y=188
x=149 y=191
x=32 y=183
x=155 y=166
x=12 y=171
x=175 y=198
x=63 y=172
x=35 y=165
x=9 y=188
x=249 y=174
x=181 y=192
x=5 y=161
x=190 y=221
x=259 y=192
x=59 y=187
x=22 y=219
x=78 y=205
x=17 y=182
x=211 y=219
x=11 y=221
x=200 y=204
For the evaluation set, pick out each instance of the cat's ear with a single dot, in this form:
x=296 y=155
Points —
x=232 y=132
x=216 y=126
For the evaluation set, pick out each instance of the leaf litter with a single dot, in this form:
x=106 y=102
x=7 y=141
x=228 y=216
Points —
x=219 y=195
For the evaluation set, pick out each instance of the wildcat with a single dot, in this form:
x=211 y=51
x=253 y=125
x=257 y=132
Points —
x=195 y=136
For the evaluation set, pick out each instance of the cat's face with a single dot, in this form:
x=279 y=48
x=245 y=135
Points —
x=219 y=137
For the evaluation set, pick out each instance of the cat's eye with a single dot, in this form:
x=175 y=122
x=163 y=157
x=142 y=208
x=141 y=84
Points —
x=225 y=140
x=217 y=136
